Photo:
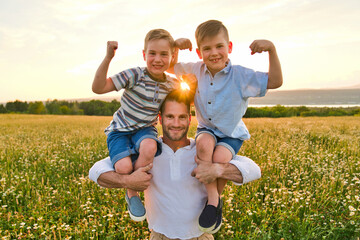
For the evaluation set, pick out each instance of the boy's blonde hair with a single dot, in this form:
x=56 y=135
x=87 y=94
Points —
x=159 y=34
x=210 y=28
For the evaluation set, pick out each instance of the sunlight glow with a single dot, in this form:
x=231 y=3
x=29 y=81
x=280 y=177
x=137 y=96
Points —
x=184 y=86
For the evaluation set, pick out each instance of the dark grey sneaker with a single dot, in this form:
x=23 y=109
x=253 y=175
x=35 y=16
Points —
x=219 y=218
x=136 y=208
x=208 y=217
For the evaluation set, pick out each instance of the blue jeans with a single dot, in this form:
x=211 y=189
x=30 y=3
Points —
x=123 y=144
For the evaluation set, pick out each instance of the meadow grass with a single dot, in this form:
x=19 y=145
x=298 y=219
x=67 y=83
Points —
x=309 y=187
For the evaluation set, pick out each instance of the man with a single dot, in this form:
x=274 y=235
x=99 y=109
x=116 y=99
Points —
x=175 y=193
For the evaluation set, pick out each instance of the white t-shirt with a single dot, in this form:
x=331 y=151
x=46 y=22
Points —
x=175 y=199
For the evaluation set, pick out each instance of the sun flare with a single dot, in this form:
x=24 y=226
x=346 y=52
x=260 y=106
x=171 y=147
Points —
x=184 y=86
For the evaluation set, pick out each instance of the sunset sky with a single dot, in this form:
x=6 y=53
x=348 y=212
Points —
x=51 y=49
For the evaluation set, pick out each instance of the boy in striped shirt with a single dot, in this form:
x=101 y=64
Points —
x=132 y=136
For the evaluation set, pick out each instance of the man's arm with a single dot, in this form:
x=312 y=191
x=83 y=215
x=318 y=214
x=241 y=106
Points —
x=275 y=73
x=101 y=83
x=102 y=172
x=240 y=170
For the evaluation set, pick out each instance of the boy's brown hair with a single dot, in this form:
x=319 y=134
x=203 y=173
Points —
x=210 y=28
x=159 y=34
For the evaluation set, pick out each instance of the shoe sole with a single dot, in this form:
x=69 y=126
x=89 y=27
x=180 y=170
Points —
x=212 y=230
x=206 y=230
x=135 y=218
x=216 y=230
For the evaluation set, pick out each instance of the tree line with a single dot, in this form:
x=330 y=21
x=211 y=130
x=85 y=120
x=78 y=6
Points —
x=103 y=108
x=93 y=107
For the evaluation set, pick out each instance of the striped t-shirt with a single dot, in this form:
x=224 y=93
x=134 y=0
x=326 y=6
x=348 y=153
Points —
x=141 y=100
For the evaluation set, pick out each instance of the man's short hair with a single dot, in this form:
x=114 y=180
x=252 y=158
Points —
x=210 y=28
x=159 y=34
x=178 y=96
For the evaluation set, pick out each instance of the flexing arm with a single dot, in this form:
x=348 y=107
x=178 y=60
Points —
x=102 y=172
x=275 y=73
x=101 y=83
x=182 y=44
x=240 y=170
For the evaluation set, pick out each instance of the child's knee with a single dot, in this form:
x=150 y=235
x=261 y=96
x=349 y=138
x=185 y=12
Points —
x=148 y=146
x=205 y=143
x=222 y=155
x=123 y=166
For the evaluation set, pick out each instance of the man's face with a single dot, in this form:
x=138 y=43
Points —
x=175 y=121
x=158 y=57
x=214 y=52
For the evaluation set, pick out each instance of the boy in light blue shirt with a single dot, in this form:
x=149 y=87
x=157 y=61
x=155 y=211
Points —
x=221 y=101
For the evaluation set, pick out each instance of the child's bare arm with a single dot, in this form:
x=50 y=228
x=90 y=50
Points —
x=182 y=44
x=275 y=73
x=101 y=83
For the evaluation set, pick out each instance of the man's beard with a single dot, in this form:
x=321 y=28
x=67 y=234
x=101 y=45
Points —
x=166 y=133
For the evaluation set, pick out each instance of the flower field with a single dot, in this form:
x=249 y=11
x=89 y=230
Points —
x=309 y=189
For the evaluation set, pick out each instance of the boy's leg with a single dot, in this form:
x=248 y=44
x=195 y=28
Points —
x=147 y=151
x=124 y=166
x=225 y=150
x=147 y=146
x=120 y=150
x=144 y=148
x=205 y=144
x=135 y=207
x=221 y=155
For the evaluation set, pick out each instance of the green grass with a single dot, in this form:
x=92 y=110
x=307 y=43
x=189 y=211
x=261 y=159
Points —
x=309 y=187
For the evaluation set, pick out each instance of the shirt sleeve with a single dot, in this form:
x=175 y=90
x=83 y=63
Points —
x=188 y=68
x=253 y=84
x=183 y=68
x=249 y=169
x=126 y=78
x=99 y=168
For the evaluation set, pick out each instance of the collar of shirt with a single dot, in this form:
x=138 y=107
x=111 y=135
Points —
x=153 y=78
x=225 y=70
x=187 y=147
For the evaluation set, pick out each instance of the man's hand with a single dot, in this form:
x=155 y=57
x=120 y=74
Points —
x=183 y=43
x=259 y=46
x=111 y=49
x=140 y=179
x=205 y=172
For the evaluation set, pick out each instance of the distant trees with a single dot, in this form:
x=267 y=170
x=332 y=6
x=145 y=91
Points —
x=2 y=109
x=93 y=107
x=63 y=108
x=102 y=108
x=302 y=111
x=36 y=108
x=17 y=106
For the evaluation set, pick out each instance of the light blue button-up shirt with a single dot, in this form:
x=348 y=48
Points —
x=221 y=101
